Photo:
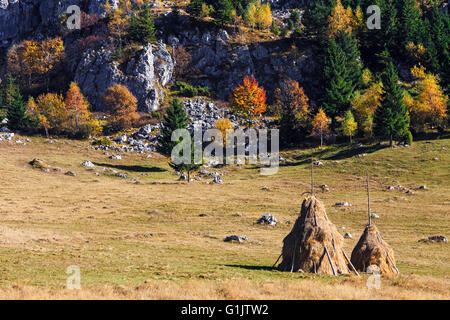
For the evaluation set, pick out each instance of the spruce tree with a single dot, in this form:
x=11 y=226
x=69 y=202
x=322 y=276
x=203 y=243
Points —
x=409 y=22
x=174 y=119
x=142 y=27
x=17 y=116
x=339 y=82
x=187 y=167
x=222 y=11
x=195 y=7
x=391 y=118
x=349 y=45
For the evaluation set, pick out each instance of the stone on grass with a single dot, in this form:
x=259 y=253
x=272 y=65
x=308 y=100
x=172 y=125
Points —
x=88 y=164
x=268 y=219
x=236 y=238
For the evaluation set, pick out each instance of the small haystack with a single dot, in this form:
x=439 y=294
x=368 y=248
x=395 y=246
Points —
x=371 y=249
x=314 y=244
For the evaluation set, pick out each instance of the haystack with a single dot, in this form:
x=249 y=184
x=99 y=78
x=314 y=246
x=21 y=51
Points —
x=371 y=249
x=314 y=244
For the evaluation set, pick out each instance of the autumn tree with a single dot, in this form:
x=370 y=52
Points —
x=223 y=125
x=340 y=19
x=292 y=104
x=248 y=98
x=430 y=104
x=118 y=25
x=320 y=125
x=48 y=111
x=349 y=125
x=36 y=58
x=80 y=122
x=122 y=105
x=364 y=104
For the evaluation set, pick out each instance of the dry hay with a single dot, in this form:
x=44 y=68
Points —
x=313 y=235
x=372 y=250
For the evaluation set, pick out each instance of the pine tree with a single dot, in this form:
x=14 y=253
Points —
x=187 y=167
x=17 y=116
x=8 y=91
x=175 y=118
x=409 y=21
x=142 y=27
x=349 y=45
x=195 y=7
x=340 y=87
x=391 y=119
x=222 y=11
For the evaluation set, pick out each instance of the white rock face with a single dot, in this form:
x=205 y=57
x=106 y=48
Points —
x=145 y=76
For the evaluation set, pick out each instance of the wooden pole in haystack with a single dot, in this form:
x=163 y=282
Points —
x=368 y=198
x=312 y=176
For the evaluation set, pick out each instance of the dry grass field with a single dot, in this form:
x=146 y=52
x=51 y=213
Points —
x=157 y=238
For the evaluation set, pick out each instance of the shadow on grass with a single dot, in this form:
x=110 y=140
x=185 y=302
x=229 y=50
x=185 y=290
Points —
x=131 y=167
x=261 y=268
x=344 y=153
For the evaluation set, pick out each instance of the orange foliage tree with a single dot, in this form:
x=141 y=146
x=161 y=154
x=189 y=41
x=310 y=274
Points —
x=320 y=125
x=80 y=121
x=249 y=98
x=122 y=105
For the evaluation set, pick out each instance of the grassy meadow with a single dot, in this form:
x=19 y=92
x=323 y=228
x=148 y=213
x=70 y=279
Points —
x=151 y=236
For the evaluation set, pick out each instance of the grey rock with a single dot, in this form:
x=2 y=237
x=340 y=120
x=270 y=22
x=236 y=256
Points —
x=342 y=204
x=70 y=173
x=268 y=219
x=236 y=238
x=348 y=235
x=88 y=164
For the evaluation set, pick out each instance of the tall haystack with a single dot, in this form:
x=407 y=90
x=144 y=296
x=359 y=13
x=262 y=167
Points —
x=314 y=244
x=371 y=249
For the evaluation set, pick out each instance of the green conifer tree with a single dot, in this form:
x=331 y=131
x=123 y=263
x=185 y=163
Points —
x=16 y=114
x=339 y=82
x=175 y=118
x=391 y=118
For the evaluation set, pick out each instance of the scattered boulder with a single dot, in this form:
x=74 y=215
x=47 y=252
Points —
x=70 y=173
x=116 y=157
x=348 y=235
x=236 y=238
x=423 y=187
x=434 y=239
x=318 y=163
x=342 y=204
x=218 y=180
x=88 y=164
x=268 y=219
x=324 y=188
x=390 y=188
x=374 y=216
x=39 y=164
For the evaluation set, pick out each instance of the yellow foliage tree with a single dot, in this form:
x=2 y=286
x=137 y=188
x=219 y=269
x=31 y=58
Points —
x=364 y=104
x=320 y=125
x=340 y=19
x=35 y=58
x=223 y=125
x=430 y=106
x=49 y=111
